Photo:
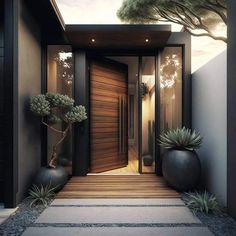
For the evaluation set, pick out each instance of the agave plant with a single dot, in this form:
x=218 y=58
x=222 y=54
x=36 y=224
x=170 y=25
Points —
x=202 y=202
x=181 y=138
x=41 y=196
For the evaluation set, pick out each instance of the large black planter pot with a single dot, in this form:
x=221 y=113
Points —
x=55 y=177
x=181 y=169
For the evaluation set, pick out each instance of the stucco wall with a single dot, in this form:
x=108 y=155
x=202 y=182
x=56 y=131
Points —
x=29 y=83
x=231 y=108
x=2 y=138
x=209 y=117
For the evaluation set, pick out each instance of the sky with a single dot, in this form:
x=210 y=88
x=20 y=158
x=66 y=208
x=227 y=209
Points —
x=104 y=12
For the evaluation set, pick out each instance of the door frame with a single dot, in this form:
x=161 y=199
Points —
x=156 y=53
x=83 y=58
x=82 y=96
x=157 y=113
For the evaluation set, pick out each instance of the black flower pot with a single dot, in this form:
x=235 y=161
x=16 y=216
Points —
x=55 y=177
x=181 y=169
x=147 y=160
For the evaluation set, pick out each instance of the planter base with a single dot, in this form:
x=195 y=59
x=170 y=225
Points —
x=181 y=169
x=56 y=178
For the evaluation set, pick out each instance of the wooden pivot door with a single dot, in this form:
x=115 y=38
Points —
x=108 y=115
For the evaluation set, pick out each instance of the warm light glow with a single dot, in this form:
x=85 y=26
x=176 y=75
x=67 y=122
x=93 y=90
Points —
x=168 y=71
x=146 y=40
x=64 y=55
x=93 y=40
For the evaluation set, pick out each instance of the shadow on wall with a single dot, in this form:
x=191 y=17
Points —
x=209 y=109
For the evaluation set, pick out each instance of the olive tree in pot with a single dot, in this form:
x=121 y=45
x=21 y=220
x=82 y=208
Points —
x=180 y=163
x=54 y=108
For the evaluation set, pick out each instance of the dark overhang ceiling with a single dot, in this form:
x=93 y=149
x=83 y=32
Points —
x=117 y=36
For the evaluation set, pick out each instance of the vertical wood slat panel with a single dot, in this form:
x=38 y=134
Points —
x=107 y=84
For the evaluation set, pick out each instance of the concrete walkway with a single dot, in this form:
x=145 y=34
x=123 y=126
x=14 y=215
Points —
x=5 y=213
x=117 y=217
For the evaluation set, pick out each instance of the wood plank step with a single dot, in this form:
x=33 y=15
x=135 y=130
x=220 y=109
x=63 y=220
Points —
x=117 y=186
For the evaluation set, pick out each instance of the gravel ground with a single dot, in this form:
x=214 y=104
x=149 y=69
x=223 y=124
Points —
x=23 y=217
x=219 y=225
x=16 y=224
x=222 y=225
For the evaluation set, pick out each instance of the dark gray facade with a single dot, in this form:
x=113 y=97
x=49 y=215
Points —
x=231 y=111
x=21 y=66
x=29 y=83
x=1 y=99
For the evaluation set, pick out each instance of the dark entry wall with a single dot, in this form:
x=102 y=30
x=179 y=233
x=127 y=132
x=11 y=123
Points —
x=2 y=144
x=231 y=113
x=29 y=83
x=26 y=33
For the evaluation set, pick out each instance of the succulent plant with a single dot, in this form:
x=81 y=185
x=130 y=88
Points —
x=57 y=107
x=202 y=202
x=181 y=138
x=75 y=114
x=39 y=105
x=59 y=100
x=41 y=196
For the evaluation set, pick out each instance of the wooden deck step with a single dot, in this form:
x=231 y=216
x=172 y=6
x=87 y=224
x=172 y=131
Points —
x=117 y=186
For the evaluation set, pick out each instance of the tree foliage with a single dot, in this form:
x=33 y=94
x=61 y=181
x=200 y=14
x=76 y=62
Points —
x=198 y=17
x=57 y=108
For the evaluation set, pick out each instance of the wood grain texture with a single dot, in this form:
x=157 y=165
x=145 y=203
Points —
x=117 y=186
x=107 y=83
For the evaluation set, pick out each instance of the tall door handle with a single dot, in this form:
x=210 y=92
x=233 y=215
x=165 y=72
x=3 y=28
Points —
x=120 y=124
x=123 y=124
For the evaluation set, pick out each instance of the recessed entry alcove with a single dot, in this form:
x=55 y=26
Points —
x=134 y=82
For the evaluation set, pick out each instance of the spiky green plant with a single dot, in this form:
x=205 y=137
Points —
x=41 y=196
x=181 y=138
x=203 y=202
x=57 y=108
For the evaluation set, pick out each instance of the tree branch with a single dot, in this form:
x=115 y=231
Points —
x=54 y=152
x=206 y=34
x=50 y=127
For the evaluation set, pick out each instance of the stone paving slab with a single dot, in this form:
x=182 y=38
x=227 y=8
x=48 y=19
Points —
x=160 y=201
x=152 y=214
x=118 y=231
x=5 y=213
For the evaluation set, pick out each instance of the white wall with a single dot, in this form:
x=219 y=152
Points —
x=209 y=117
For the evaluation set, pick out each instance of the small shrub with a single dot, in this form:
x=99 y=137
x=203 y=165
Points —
x=203 y=202
x=41 y=196
x=181 y=138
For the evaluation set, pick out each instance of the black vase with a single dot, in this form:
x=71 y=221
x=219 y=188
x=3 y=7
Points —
x=55 y=177
x=181 y=169
x=147 y=160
